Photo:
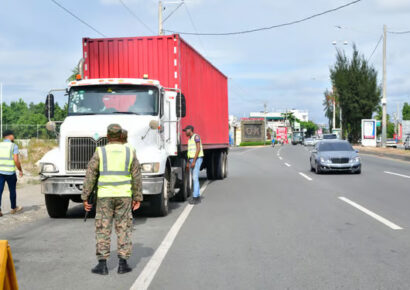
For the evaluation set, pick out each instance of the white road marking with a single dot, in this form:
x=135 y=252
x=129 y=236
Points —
x=280 y=158
x=287 y=164
x=397 y=174
x=305 y=176
x=372 y=214
x=147 y=275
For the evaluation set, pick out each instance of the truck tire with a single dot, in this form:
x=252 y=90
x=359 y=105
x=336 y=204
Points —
x=219 y=165
x=56 y=205
x=210 y=166
x=159 y=202
x=226 y=164
x=186 y=189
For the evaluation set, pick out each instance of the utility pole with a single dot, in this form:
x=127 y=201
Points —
x=340 y=117
x=264 y=110
x=384 y=101
x=160 y=29
x=334 y=114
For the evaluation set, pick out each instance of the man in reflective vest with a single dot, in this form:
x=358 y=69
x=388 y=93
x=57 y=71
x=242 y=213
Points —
x=115 y=170
x=9 y=160
x=195 y=157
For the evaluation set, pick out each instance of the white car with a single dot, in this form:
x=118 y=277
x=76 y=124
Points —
x=309 y=142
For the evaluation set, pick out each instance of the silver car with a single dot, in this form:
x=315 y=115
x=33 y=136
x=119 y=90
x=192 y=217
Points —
x=334 y=155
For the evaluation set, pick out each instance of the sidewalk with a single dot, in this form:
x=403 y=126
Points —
x=385 y=152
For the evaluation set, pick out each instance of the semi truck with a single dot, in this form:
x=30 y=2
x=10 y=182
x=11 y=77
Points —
x=153 y=87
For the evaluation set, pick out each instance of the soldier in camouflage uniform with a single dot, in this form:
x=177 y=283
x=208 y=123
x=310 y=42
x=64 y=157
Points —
x=110 y=208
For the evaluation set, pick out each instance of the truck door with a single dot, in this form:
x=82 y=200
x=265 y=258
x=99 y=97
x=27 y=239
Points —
x=169 y=122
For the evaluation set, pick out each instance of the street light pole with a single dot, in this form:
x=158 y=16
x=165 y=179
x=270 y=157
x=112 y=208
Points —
x=384 y=100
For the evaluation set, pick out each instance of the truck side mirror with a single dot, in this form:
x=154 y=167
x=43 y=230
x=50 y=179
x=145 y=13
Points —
x=49 y=106
x=181 y=106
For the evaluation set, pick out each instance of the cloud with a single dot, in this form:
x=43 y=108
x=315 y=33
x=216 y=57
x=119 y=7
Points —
x=394 y=5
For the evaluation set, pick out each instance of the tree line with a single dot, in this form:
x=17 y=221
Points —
x=356 y=94
x=28 y=120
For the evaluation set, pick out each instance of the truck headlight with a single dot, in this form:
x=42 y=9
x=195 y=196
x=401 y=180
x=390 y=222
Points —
x=150 y=167
x=48 y=168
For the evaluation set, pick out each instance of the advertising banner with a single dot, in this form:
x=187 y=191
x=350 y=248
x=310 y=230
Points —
x=369 y=134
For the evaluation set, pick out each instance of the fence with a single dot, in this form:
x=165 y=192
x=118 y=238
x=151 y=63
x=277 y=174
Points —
x=26 y=131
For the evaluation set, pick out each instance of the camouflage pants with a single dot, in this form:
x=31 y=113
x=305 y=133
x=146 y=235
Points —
x=119 y=210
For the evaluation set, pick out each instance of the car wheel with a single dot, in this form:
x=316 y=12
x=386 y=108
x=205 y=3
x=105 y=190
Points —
x=317 y=169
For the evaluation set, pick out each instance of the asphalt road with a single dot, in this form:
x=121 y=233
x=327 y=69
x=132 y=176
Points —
x=272 y=224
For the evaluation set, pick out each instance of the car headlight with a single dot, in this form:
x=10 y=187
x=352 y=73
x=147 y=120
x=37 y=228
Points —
x=150 y=167
x=355 y=160
x=48 y=168
x=324 y=160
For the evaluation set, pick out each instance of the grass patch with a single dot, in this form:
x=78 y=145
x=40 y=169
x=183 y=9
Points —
x=256 y=143
x=35 y=151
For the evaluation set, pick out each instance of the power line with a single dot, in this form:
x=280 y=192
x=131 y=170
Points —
x=136 y=16
x=399 y=32
x=173 y=11
x=78 y=18
x=377 y=45
x=195 y=29
x=273 y=26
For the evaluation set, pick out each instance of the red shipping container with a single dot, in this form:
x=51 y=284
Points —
x=175 y=64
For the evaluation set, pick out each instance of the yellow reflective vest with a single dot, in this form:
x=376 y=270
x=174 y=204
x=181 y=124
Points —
x=7 y=157
x=192 y=148
x=115 y=171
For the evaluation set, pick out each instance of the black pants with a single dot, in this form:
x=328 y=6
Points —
x=11 y=182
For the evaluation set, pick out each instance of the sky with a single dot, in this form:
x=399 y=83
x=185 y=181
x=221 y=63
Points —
x=286 y=68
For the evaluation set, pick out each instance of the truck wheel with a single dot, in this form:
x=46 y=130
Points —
x=159 y=203
x=186 y=189
x=226 y=165
x=219 y=165
x=210 y=166
x=56 y=205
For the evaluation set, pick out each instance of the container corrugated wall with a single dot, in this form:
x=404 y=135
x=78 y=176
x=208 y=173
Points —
x=175 y=64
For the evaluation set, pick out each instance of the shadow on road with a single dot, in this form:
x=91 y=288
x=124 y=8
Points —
x=138 y=252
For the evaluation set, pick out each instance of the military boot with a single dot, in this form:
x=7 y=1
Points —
x=123 y=267
x=101 y=268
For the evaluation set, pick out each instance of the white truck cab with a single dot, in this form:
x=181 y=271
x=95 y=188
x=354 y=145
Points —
x=150 y=113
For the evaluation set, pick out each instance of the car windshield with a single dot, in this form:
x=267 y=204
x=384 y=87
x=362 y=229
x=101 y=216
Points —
x=335 y=146
x=113 y=99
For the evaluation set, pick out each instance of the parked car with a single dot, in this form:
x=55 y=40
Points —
x=334 y=155
x=391 y=143
x=309 y=142
x=406 y=143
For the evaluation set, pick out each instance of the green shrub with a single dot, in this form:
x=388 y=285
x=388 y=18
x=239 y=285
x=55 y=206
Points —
x=256 y=143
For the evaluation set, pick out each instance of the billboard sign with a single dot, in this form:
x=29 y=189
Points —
x=282 y=134
x=253 y=130
x=369 y=134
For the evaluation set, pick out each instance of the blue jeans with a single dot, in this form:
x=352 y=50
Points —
x=195 y=175
x=11 y=182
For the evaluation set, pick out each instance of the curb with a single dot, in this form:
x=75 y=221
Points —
x=392 y=156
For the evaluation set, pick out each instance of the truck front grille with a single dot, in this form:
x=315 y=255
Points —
x=340 y=160
x=80 y=151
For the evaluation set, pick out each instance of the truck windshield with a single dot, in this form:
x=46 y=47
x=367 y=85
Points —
x=113 y=99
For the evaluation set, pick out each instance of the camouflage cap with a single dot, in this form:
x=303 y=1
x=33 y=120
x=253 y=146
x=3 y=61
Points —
x=114 y=131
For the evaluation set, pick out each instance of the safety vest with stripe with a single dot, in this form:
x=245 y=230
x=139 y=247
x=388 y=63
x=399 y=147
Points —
x=115 y=171
x=192 y=148
x=7 y=157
